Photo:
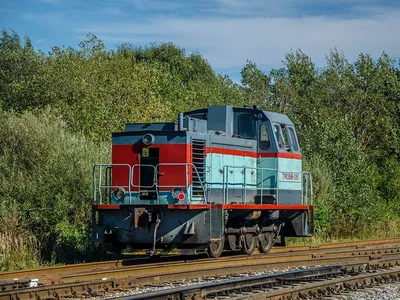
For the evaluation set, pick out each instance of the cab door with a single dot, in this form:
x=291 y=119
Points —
x=266 y=165
x=289 y=165
x=149 y=159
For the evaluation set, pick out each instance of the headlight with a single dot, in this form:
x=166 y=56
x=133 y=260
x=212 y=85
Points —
x=178 y=193
x=119 y=194
x=148 y=139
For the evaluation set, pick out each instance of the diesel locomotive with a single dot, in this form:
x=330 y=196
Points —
x=217 y=178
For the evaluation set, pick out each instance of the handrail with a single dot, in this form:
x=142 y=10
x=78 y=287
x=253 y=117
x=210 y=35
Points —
x=307 y=189
x=186 y=177
x=244 y=184
x=97 y=185
x=146 y=166
x=98 y=189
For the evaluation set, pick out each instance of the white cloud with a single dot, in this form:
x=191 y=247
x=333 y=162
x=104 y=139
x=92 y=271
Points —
x=256 y=7
x=113 y=11
x=6 y=10
x=157 y=4
x=48 y=19
x=52 y=2
x=38 y=41
x=228 y=42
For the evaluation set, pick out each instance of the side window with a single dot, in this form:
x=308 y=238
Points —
x=265 y=142
x=295 y=144
x=247 y=125
x=279 y=137
x=286 y=139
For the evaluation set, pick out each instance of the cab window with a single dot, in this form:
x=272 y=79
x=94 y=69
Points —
x=265 y=142
x=279 y=136
x=295 y=144
x=286 y=139
x=246 y=125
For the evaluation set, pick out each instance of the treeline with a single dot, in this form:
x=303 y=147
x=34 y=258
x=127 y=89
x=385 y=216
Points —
x=58 y=110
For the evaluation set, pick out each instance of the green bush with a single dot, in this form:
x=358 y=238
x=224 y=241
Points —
x=46 y=182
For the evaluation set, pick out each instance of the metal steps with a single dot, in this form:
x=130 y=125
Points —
x=198 y=160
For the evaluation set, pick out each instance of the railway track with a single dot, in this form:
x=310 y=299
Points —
x=95 y=279
x=299 y=284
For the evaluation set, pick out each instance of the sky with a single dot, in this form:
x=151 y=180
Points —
x=225 y=32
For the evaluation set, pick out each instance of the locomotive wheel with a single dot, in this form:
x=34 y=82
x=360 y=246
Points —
x=266 y=241
x=249 y=243
x=215 y=248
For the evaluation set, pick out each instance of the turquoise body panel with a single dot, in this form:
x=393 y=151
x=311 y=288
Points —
x=222 y=167
x=289 y=177
x=268 y=176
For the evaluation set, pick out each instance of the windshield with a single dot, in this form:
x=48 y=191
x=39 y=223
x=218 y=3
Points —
x=279 y=136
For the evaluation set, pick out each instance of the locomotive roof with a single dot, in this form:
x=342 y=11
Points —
x=272 y=116
x=277 y=118
x=219 y=118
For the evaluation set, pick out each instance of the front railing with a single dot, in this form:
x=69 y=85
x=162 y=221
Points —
x=139 y=166
x=99 y=176
x=102 y=173
x=186 y=172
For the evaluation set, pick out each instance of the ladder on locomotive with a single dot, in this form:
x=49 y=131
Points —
x=198 y=160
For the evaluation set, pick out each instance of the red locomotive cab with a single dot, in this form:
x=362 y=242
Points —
x=159 y=165
x=162 y=168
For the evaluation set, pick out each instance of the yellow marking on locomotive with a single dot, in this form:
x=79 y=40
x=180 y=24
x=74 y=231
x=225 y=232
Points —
x=145 y=152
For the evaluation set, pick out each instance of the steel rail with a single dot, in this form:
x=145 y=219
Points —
x=203 y=290
x=331 y=286
x=128 y=278
x=284 y=285
x=66 y=269
x=199 y=264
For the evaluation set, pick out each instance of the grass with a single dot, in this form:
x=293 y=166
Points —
x=19 y=249
x=379 y=230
